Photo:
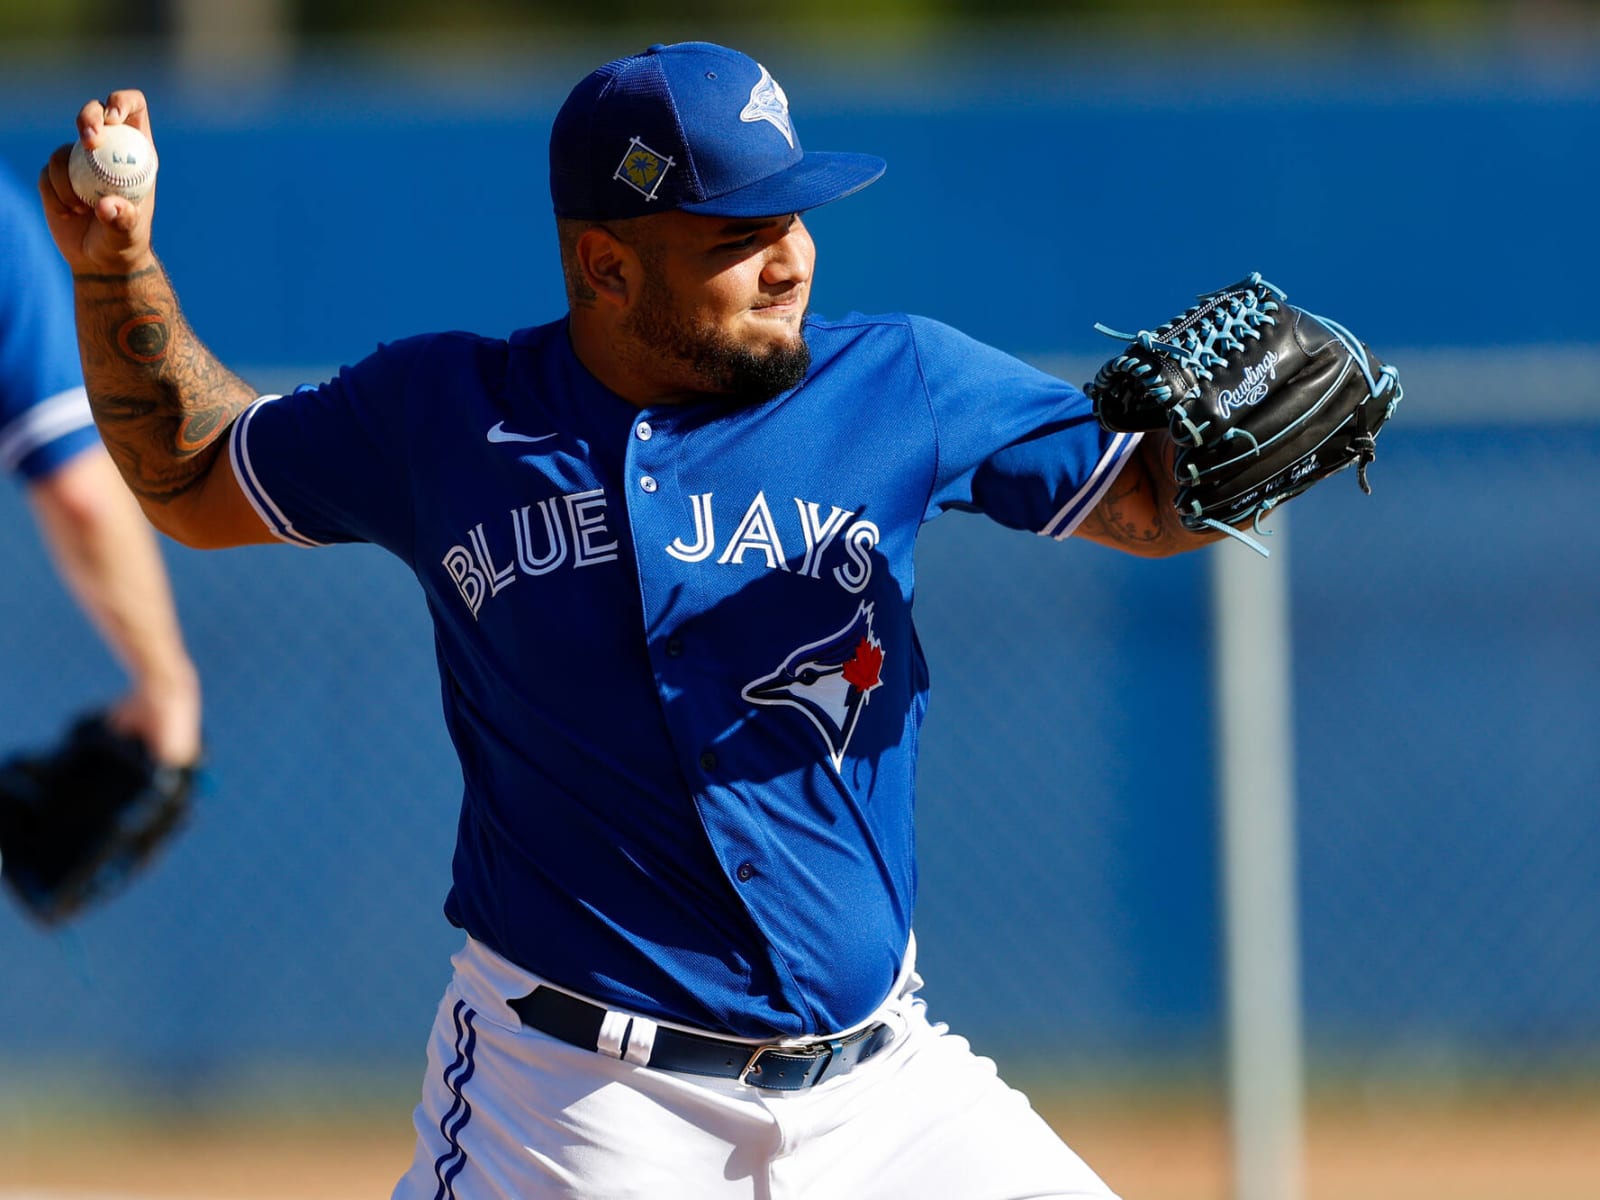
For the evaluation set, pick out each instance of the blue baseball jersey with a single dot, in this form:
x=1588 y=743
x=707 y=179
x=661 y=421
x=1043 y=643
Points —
x=675 y=643
x=44 y=412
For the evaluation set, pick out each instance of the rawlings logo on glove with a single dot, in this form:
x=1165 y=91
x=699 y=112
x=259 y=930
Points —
x=1263 y=400
x=1253 y=389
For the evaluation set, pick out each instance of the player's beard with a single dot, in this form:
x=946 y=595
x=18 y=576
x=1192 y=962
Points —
x=712 y=360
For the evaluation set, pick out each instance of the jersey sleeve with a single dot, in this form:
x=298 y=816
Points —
x=1014 y=443
x=44 y=411
x=328 y=463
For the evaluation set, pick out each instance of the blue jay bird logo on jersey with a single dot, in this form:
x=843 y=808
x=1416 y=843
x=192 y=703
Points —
x=768 y=103
x=829 y=681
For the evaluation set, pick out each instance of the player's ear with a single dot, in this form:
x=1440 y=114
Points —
x=608 y=266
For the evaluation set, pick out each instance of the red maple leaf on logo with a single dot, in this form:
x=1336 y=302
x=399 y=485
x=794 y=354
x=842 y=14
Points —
x=865 y=671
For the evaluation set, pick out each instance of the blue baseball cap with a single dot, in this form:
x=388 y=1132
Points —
x=693 y=126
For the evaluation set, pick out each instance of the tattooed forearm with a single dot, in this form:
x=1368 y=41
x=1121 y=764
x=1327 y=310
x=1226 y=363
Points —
x=160 y=398
x=1137 y=513
x=1127 y=515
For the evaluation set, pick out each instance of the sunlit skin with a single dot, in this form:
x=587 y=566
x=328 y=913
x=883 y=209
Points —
x=651 y=296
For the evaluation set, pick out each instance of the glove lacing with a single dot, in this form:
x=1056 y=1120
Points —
x=1219 y=323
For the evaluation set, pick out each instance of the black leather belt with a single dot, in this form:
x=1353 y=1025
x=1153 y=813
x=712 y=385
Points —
x=778 y=1068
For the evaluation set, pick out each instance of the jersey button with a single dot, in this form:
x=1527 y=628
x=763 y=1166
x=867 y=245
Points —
x=643 y=431
x=647 y=483
x=708 y=761
x=746 y=872
x=674 y=647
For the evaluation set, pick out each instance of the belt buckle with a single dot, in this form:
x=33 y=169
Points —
x=813 y=1052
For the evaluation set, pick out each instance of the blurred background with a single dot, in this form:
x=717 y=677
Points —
x=341 y=172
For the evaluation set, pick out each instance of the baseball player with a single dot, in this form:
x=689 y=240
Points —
x=101 y=545
x=666 y=541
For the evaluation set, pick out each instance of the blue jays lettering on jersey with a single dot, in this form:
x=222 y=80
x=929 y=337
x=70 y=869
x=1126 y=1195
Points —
x=44 y=411
x=675 y=644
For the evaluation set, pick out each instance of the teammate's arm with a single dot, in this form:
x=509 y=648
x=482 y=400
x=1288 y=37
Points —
x=106 y=555
x=161 y=400
x=1137 y=512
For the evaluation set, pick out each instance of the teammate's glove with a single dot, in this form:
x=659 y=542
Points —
x=1263 y=400
x=80 y=818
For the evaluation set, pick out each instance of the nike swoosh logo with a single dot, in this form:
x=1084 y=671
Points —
x=499 y=433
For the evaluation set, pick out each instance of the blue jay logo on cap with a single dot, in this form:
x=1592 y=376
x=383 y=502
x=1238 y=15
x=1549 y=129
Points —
x=643 y=169
x=768 y=103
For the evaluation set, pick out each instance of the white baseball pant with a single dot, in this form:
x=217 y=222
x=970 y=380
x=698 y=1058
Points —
x=510 y=1113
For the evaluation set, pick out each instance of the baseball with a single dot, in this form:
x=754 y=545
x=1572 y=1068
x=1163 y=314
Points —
x=123 y=164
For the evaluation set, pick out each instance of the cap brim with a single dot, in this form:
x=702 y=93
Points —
x=821 y=176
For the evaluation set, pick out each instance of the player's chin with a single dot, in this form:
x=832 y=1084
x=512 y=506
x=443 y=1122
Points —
x=779 y=340
x=753 y=374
